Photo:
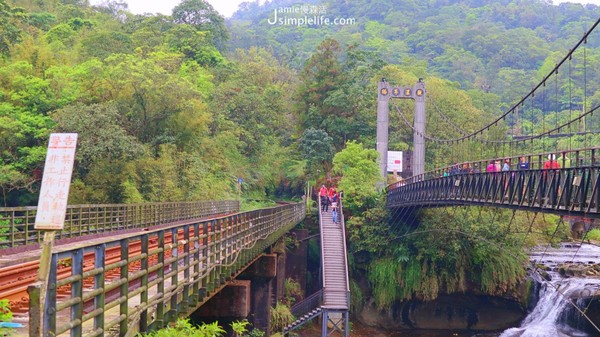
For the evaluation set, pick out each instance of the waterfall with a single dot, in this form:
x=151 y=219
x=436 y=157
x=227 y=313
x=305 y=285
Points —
x=558 y=296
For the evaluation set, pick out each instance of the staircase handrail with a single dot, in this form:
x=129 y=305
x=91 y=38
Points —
x=306 y=305
x=343 y=225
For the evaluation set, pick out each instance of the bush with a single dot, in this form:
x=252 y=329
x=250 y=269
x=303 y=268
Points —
x=5 y=313
x=293 y=292
x=594 y=234
x=280 y=317
x=183 y=328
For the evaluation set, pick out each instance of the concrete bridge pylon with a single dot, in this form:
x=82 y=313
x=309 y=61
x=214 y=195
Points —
x=417 y=93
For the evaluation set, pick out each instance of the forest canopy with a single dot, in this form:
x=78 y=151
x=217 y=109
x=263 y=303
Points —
x=178 y=107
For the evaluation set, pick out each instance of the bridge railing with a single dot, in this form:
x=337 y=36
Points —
x=565 y=191
x=17 y=223
x=343 y=225
x=141 y=282
x=588 y=157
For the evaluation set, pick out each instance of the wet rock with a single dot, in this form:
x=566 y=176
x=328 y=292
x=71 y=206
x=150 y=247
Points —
x=459 y=311
x=545 y=276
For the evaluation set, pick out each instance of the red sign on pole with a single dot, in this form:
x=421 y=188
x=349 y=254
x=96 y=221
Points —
x=54 y=193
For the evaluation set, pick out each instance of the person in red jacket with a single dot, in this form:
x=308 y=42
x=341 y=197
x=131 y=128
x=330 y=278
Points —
x=551 y=185
x=331 y=191
x=551 y=163
x=324 y=195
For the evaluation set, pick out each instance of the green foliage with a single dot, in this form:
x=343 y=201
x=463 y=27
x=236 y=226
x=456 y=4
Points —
x=293 y=292
x=280 y=317
x=360 y=174
x=475 y=251
x=317 y=149
x=6 y=315
x=256 y=333
x=102 y=44
x=252 y=204
x=594 y=234
x=183 y=328
x=322 y=76
x=43 y=20
x=239 y=327
x=5 y=312
x=62 y=34
x=369 y=231
x=107 y=140
x=203 y=17
x=194 y=45
x=383 y=275
x=357 y=297
x=9 y=27
x=554 y=229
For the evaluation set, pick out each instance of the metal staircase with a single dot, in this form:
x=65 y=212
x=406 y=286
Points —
x=336 y=286
x=334 y=298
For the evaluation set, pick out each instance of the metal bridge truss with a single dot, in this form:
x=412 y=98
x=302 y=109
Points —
x=567 y=191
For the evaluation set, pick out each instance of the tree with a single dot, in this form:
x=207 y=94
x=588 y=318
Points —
x=159 y=105
x=9 y=30
x=23 y=138
x=101 y=134
x=102 y=44
x=317 y=150
x=322 y=75
x=195 y=45
x=201 y=15
x=360 y=174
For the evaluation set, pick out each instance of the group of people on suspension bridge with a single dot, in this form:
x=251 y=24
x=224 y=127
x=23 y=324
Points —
x=329 y=196
x=497 y=165
x=502 y=171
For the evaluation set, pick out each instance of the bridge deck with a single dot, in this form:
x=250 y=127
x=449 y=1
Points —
x=333 y=248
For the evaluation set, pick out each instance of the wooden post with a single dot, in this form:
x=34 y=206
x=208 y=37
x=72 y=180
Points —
x=37 y=291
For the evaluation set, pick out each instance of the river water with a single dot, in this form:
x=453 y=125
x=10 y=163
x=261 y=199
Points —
x=547 y=318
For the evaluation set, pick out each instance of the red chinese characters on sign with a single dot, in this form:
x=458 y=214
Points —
x=54 y=193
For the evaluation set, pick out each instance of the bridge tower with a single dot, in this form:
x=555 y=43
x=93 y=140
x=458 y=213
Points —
x=416 y=93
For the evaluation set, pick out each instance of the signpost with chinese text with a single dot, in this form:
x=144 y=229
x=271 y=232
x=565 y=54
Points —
x=50 y=216
x=54 y=193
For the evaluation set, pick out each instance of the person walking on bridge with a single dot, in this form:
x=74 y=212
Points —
x=523 y=166
x=334 y=207
x=323 y=195
x=331 y=191
x=551 y=181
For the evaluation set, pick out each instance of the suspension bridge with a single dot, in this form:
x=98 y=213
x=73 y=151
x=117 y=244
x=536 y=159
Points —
x=541 y=155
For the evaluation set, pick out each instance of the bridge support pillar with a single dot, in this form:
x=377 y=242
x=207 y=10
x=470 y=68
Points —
x=296 y=266
x=231 y=302
x=279 y=280
x=261 y=274
x=418 y=161
x=383 y=112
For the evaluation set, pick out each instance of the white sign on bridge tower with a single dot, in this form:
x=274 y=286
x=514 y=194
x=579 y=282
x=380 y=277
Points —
x=394 y=161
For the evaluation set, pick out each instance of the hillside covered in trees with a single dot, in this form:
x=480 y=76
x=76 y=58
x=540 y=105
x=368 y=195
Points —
x=179 y=107
x=494 y=46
